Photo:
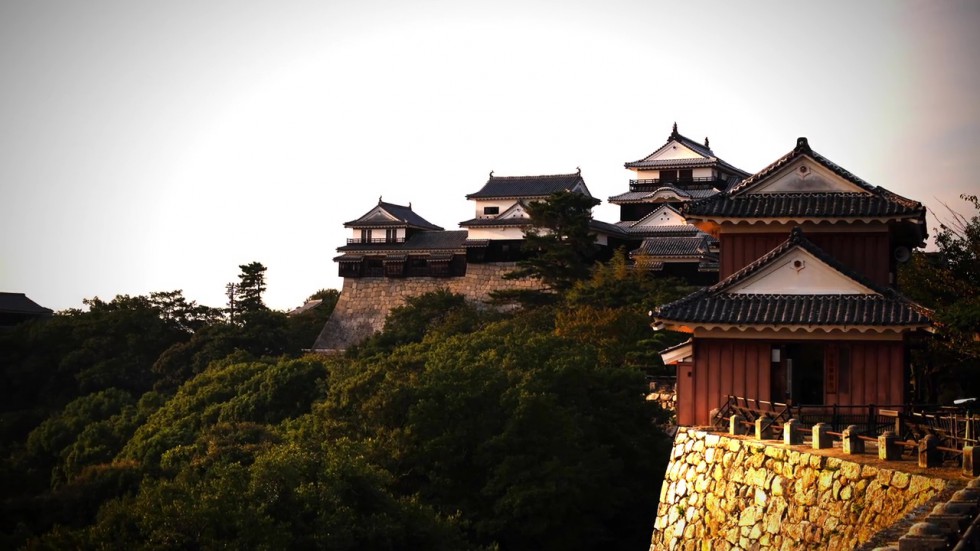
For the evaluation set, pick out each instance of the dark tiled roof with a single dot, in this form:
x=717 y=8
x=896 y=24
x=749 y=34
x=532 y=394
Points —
x=527 y=186
x=404 y=216
x=679 y=230
x=662 y=247
x=644 y=196
x=715 y=305
x=795 y=310
x=18 y=303
x=709 y=158
x=875 y=202
x=495 y=222
x=805 y=205
x=606 y=227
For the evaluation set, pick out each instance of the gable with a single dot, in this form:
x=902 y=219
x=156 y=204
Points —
x=515 y=211
x=804 y=175
x=798 y=272
x=664 y=216
x=667 y=194
x=378 y=214
x=674 y=150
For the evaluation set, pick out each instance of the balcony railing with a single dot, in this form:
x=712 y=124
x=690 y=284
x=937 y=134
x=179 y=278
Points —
x=374 y=240
x=656 y=181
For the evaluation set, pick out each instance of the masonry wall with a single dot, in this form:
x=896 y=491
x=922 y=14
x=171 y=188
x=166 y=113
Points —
x=364 y=303
x=724 y=493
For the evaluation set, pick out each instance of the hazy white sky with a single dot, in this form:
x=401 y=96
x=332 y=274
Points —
x=151 y=146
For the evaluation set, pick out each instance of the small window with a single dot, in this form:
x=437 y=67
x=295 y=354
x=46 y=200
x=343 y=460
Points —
x=668 y=175
x=391 y=235
x=491 y=210
x=686 y=175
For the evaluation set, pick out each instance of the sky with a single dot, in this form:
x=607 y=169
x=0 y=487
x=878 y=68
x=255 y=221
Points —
x=153 y=146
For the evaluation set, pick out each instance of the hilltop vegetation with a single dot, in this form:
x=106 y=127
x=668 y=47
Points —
x=151 y=423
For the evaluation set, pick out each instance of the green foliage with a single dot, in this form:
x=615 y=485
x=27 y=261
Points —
x=251 y=285
x=949 y=283
x=454 y=428
x=559 y=244
x=228 y=391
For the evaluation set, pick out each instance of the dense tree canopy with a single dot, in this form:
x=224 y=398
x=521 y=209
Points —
x=454 y=428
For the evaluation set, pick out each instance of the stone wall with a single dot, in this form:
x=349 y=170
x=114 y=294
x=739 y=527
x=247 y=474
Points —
x=723 y=493
x=364 y=303
x=663 y=390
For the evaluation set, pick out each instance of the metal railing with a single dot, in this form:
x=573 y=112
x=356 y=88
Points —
x=374 y=240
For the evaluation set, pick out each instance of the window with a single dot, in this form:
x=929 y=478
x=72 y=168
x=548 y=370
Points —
x=365 y=236
x=391 y=235
x=668 y=175
x=686 y=175
x=491 y=210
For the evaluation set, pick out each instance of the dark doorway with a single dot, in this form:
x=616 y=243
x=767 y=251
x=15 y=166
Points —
x=805 y=372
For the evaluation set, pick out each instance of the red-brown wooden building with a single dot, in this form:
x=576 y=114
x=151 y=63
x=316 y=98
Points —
x=806 y=311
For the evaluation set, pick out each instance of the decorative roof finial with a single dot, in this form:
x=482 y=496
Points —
x=409 y=205
x=491 y=174
x=802 y=145
x=578 y=169
x=379 y=199
x=796 y=233
x=674 y=131
x=707 y=145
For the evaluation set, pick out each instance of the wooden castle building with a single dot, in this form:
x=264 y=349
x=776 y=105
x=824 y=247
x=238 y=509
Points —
x=680 y=171
x=806 y=311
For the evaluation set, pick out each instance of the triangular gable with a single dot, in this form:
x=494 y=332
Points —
x=377 y=214
x=798 y=272
x=517 y=210
x=673 y=149
x=803 y=175
x=580 y=188
x=663 y=216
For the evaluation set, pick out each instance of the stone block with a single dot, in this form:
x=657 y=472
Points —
x=763 y=429
x=851 y=441
x=888 y=448
x=929 y=456
x=735 y=426
x=791 y=433
x=821 y=440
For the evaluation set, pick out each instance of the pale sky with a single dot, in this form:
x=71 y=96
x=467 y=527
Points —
x=153 y=146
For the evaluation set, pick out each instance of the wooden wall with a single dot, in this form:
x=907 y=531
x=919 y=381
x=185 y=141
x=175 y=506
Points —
x=872 y=373
x=722 y=367
x=868 y=253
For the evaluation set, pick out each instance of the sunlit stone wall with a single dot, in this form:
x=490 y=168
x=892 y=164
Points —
x=723 y=493
x=364 y=303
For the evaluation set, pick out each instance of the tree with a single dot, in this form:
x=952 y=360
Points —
x=948 y=282
x=559 y=242
x=251 y=285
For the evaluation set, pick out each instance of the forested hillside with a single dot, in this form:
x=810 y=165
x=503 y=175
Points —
x=152 y=423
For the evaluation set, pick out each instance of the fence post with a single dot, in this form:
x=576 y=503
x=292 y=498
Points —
x=971 y=461
x=851 y=440
x=887 y=448
x=735 y=424
x=929 y=456
x=760 y=432
x=821 y=440
x=790 y=433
